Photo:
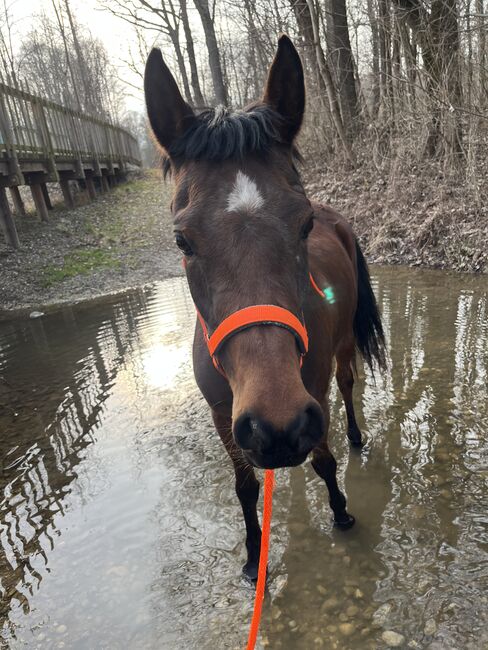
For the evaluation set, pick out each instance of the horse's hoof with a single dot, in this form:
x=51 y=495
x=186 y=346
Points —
x=357 y=444
x=250 y=572
x=356 y=439
x=345 y=522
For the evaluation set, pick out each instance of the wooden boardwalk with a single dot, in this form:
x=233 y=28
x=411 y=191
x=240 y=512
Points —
x=43 y=142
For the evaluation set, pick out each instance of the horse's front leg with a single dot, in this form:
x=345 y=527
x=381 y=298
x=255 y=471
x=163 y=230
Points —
x=247 y=489
x=325 y=465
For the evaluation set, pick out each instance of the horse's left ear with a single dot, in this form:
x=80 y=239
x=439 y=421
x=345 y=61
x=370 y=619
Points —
x=285 y=88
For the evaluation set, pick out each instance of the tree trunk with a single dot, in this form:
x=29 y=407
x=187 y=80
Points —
x=375 y=88
x=396 y=64
x=341 y=44
x=195 y=82
x=181 y=65
x=305 y=28
x=88 y=100
x=329 y=84
x=384 y=32
x=219 y=85
x=438 y=36
x=445 y=32
x=482 y=62
x=410 y=54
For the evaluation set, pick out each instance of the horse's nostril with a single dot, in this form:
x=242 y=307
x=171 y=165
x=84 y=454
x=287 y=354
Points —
x=252 y=433
x=306 y=430
x=243 y=432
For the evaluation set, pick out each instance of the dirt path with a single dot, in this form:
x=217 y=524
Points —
x=122 y=240
x=125 y=238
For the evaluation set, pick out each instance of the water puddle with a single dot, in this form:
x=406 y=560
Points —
x=119 y=525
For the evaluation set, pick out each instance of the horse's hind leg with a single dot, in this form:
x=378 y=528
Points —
x=247 y=489
x=345 y=381
x=325 y=465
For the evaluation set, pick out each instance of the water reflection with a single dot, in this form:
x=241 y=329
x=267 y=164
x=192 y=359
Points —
x=55 y=378
x=118 y=520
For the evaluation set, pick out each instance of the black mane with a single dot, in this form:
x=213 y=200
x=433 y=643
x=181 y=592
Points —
x=219 y=134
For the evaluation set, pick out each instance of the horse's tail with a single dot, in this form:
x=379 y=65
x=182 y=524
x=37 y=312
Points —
x=368 y=330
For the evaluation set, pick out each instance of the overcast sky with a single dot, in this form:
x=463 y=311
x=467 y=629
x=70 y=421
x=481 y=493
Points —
x=114 y=33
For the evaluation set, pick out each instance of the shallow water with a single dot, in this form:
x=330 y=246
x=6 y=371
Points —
x=119 y=525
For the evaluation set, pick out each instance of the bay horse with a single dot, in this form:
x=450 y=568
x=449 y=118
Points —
x=271 y=274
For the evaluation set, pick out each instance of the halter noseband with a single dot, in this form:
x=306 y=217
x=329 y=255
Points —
x=247 y=317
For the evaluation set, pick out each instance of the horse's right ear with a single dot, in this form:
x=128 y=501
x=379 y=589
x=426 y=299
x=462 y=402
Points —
x=285 y=88
x=169 y=115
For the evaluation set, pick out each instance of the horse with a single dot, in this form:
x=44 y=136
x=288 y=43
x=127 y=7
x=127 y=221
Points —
x=280 y=284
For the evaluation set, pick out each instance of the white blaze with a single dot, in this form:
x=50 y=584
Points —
x=245 y=195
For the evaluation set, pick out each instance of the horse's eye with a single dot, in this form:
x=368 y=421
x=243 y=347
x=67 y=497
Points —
x=307 y=228
x=183 y=244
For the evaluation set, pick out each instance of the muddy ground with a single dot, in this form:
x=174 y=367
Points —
x=125 y=238
x=122 y=240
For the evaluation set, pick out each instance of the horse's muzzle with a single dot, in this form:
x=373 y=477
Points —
x=273 y=461
x=268 y=447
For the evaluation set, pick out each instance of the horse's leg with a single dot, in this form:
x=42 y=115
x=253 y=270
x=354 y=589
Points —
x=325 y=465
x=247 y=489
x=345 y=381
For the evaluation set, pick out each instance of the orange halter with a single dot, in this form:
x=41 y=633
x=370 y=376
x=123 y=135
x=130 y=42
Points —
x=249 y=317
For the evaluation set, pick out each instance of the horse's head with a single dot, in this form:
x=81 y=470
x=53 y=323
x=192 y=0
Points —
x=242 y=219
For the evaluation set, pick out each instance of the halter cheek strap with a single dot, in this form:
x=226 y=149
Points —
x=316 y=286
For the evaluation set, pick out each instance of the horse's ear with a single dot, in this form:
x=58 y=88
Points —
x=285 y=88
x=169 y=115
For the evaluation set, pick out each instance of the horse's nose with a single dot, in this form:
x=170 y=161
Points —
x=258 y=436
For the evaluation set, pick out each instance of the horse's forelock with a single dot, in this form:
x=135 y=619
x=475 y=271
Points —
x=219 y=134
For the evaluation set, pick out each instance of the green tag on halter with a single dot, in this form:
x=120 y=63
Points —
x=329 y=295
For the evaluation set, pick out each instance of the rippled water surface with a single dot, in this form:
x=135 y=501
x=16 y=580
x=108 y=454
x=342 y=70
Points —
x=119 y=525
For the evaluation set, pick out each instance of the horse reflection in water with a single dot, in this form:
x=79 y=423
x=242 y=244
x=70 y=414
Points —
x=252 y=240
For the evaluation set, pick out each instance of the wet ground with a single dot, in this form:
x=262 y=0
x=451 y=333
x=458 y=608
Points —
x=119 y=526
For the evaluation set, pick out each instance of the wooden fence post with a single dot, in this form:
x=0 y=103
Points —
x=15 y=174
x=47 y=198
x=47 y=145
x=104 y=183
x=7 y=221
x=38 y=196
x=19 y=206
x=90 y=186
x=67 y=193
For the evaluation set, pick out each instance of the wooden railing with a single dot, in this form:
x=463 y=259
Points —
x=41 y=141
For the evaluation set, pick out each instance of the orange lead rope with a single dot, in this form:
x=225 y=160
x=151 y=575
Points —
x=243 y=318
x=263 y=558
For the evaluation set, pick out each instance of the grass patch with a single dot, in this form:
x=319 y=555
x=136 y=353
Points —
x=81 y=261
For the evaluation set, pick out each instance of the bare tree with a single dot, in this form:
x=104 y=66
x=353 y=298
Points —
x=207 y=18
x=47 y=61
x=190 y=48
x=7 y=54
x=344 y=60
x=160 y=17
